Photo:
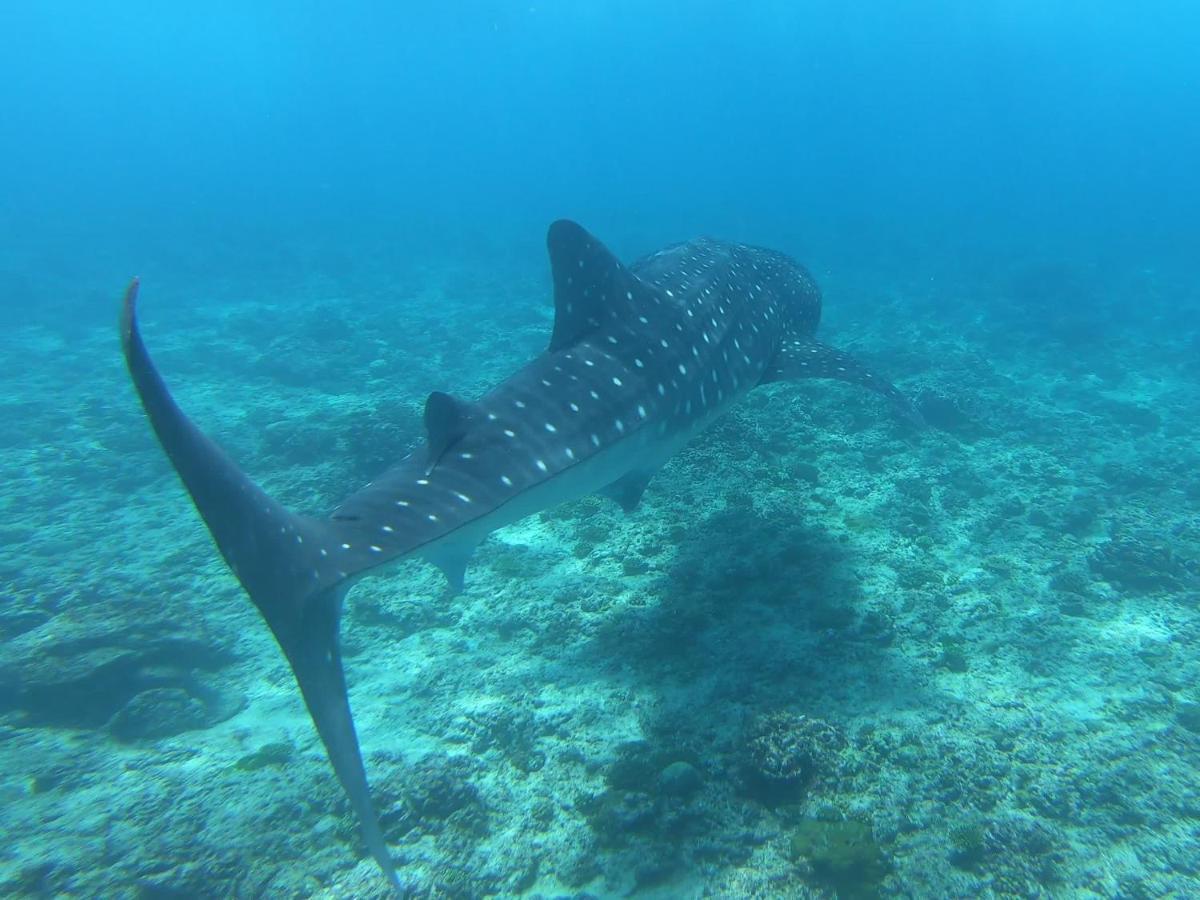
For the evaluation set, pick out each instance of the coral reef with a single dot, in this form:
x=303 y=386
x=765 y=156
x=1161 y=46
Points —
x=785 y=753
x=823 y=657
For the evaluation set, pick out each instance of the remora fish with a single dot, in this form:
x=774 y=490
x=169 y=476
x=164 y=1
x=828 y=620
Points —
x=641 y=358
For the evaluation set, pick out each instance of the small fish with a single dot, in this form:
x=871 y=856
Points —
x=641 y=358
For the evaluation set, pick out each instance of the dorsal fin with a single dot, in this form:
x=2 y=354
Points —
x=589 y=284
x=446 y=420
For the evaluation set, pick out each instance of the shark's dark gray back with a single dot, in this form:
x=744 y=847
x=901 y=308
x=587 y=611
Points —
x=657 y=347
x=713 y=268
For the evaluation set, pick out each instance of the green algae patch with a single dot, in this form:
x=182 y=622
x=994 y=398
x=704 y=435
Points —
x=844 y=857
x=277 y=754
x=954 y=655
x=968 y=844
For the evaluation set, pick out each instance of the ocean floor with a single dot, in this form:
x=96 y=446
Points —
x=826 y=656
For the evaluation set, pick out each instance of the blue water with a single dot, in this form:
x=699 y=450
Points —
x=1003 y=124
x=334 y=210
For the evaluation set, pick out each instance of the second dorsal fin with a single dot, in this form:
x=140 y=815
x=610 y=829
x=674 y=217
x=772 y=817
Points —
x=589 y=284
x=446 y=421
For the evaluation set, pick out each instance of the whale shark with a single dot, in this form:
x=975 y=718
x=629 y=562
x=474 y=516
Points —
x=641 y=358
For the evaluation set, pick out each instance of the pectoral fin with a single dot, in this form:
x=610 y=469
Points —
x=807 y=358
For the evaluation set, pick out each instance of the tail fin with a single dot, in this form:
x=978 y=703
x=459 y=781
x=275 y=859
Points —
x=281 y=562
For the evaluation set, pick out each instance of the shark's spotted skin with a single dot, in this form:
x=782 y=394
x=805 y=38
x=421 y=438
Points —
x=640 y=359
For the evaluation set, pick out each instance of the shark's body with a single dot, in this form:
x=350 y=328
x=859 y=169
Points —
x=641 y=358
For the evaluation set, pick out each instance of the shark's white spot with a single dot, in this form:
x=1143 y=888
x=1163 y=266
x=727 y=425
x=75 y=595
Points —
x=616 y=381
x=506 y=480
x=402 y=503
x=345 y=546
x=550 y=428
x=463 y=497
x=375 y=548
x=541 y=464
x=387 y=529
x=508 y=432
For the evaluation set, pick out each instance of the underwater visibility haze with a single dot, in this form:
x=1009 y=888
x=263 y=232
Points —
x=705 y=617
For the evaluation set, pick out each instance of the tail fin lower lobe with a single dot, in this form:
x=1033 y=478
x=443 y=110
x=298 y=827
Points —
x=278 y=558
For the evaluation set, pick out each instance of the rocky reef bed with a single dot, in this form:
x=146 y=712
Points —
x=826 y=656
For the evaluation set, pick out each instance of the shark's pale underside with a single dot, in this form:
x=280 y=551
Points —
x=641 y=358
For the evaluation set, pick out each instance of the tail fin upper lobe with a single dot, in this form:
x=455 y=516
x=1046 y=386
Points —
x=277 y=557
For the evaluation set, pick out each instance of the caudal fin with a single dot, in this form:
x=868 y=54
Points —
x=283 y=563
